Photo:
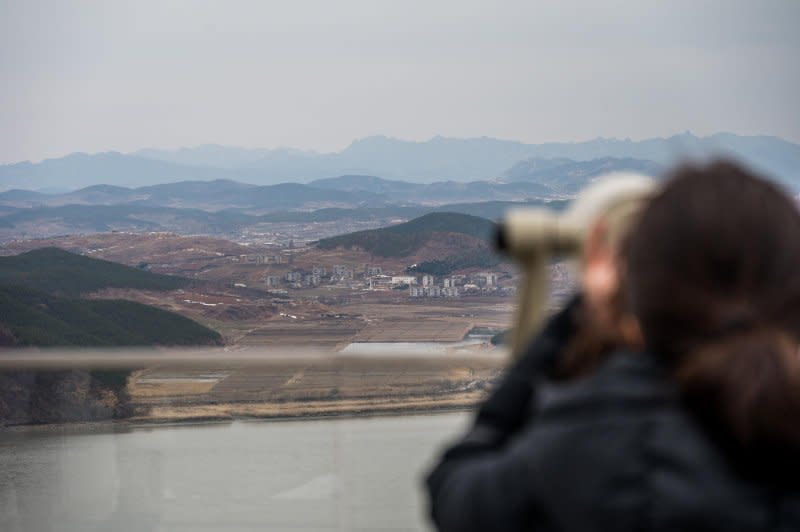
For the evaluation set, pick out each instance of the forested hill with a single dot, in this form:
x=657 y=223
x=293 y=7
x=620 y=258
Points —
x=56 y=271
x=34 y=318
x=39 y=307
x=39 y=298
x=405 y=239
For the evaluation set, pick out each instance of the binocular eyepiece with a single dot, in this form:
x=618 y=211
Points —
x=531 y=233
x=533 y=236
x=527 y=233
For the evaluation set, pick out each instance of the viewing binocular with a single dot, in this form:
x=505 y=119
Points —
x=533 y=237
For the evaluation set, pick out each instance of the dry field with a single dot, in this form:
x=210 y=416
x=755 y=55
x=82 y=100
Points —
x=322 y=386
x=390 y=330
x=331 y=334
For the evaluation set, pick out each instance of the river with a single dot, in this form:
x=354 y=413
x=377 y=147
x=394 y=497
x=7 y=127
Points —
x=312 y=475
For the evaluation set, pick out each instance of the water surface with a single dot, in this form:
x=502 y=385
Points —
x=339 y=474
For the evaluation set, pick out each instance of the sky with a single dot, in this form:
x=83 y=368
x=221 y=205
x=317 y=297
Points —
x=102 y=75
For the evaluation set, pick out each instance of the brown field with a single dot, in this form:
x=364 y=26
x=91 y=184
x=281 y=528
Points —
x=329 y=385
x=413 y=331
x=320 y=333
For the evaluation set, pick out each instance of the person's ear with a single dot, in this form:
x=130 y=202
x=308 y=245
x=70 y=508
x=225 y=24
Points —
x=600 y=275
x=631 y=332
x=596 y=244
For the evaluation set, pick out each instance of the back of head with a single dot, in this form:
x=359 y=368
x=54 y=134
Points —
x=713 y=272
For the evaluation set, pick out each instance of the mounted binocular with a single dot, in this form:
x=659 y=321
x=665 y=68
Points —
x=534 y=237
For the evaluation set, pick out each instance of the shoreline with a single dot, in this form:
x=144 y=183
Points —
x=254 y=412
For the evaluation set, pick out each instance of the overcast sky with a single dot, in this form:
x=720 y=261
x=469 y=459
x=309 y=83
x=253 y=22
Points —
x=105 y=75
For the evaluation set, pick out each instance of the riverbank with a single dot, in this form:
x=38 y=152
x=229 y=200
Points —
x=310 y=409
x=206 y=389
x=333 y=386
x=227 y=413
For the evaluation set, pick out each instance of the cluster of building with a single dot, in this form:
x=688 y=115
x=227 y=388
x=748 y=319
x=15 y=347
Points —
x=262 y=258
x=455 y=285
x=373 y=278
x=305 y=278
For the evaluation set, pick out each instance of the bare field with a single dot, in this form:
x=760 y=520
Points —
x=492 y=312
x=330 y=385
x=413 y=331
x=325 y=333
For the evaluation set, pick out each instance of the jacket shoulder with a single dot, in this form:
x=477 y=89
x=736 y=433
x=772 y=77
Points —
x=641 y=458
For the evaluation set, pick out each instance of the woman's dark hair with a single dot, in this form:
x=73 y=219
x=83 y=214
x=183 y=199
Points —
x=713 y=276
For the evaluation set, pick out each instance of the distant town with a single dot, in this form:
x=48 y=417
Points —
x=373 y=277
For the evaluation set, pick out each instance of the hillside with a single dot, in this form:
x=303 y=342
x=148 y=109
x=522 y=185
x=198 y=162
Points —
x=207 y=195
x=56 y=271
x=37 y=222
x=34 y=318
x=529 y=178
x=438 y=243
x=31 y=314
x=45 y=222
x=405 y=239
x=491 y=210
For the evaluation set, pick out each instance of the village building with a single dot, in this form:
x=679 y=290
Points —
x=380 y=282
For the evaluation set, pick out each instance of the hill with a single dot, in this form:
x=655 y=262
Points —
x=56 y=271
x=43 y=222
x=209 y=195
x=438 y=243
x=29 y=317
x=529 y=178
x=493 y=210
x=34 y=318
x=361 y=183
x=407 y=238
x=38 y=222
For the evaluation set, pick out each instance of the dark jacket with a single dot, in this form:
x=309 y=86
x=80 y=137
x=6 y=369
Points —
x=615 y=451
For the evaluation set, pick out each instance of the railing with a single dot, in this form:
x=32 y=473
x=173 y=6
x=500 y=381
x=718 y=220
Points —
x=150 y=471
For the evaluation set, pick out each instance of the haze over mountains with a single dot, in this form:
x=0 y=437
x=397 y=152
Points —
x=377 y=181
x=436 y=160
x=537 y=178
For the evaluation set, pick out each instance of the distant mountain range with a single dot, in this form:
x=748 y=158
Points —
x=436 y=160
x=37 y=222
x=528 y=179
x=208 y=195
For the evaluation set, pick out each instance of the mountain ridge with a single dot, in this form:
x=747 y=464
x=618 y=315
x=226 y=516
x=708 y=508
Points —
x=535 y=178
x=436 y=159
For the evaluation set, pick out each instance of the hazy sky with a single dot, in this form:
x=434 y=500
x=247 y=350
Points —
x=106 y=75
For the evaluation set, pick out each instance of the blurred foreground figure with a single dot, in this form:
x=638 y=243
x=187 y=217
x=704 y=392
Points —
x=667 y=395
